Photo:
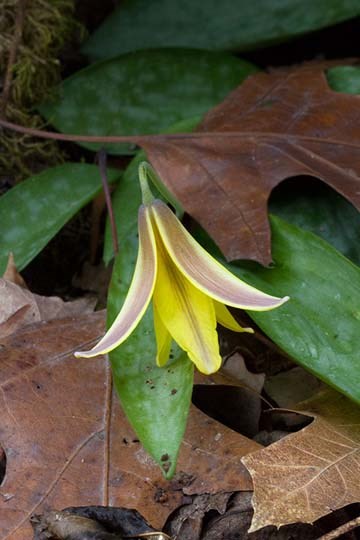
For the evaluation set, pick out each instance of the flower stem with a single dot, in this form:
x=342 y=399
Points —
x=146 y=171
x=147 y=196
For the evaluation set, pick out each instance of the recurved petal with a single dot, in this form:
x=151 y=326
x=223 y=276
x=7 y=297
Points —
x=187 y=313
x=205 y=272
x=140 y=291
x=163 y=339
x=225 y=318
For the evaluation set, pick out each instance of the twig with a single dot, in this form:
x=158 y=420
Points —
x=160 y=535
x=347 y=527
x=101 y=158
x=141 y=139
x=42 y=134
x=19 y=24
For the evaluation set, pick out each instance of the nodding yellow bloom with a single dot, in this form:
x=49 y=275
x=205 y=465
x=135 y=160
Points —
x=190 y=291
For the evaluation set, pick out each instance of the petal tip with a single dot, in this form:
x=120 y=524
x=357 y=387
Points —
x=87 y=354
x=81 y=354
x=161 y=362
x=276 y=303
x=249 y=330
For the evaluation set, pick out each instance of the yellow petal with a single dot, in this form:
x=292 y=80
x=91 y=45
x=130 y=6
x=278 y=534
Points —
x=163 y=339
x=140 y=291
x=205 y=272
x=187 y=313
x=225 y=318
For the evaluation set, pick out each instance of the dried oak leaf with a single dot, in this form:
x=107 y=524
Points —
x=308 y=474
x=67 y=442
x=274 y=126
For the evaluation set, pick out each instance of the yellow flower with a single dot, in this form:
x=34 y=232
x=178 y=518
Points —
x=190 y=291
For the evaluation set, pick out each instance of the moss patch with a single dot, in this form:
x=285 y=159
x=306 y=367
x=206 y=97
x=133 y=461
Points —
x=47 y=27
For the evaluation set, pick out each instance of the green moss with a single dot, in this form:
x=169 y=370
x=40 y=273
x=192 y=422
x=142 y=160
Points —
x=49 y=27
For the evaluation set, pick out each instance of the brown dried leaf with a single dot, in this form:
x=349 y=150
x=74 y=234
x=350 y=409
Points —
x=308 y=474
x=16 y=321
x=66 y=526
x=274 y=126
x=13 y=298
x=67 y=442
x=11 y=272
x=232 y=402
x=235 y=368
x=235 y=522
x=287 y=388
x=92 y=523
x=188 y=521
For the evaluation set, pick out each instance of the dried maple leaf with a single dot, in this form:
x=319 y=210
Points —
x=67 y=442
x=310 y=473
x=274 y=126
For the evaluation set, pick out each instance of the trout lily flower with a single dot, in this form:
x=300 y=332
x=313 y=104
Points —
x=189 y=288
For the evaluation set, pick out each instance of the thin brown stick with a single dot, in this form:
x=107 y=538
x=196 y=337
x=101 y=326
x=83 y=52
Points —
x=101 y=157
x=347 y=527
x=108 y=418
x=141 y=139
x=160 y=535
x=42 y=134
x=19 y=25
x=97 y=208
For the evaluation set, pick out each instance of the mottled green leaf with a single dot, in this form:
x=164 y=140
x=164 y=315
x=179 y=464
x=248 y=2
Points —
x=213 y=25
x=319 y=326
x=32 y=212
x=344 y=79
x=156 y=400
x=317 y=208
x=142 y=93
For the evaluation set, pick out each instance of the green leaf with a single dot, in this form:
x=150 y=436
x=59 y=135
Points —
x=142 y=93
x=32 y=212
x=319 y=326
x=228 y=25
x=155 y=400
x=344 y=79
x=317 y=208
